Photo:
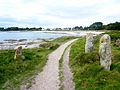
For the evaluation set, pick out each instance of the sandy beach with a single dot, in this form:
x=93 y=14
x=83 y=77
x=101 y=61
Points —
x=13 y=44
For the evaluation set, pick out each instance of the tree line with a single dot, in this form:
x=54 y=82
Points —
x=100 y=26
x=20 y=29
x=94 y=26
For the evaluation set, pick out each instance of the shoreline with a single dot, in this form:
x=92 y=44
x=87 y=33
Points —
x=12 y=44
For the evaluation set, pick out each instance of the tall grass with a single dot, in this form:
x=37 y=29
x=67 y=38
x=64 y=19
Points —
x=13 y=71
x=87 y=72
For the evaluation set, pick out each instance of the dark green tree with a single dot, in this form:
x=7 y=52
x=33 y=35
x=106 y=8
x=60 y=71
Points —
x=113 y=26
x=96 y=26
x=1 y=29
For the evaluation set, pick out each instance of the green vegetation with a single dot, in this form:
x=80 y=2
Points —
x=87 y=72
x=94 y=26
x=20 y=29
x=63 y=39
x=13 y=73
x=112 y=26
x=99 y=26
x=60 y=72
x=61 y=69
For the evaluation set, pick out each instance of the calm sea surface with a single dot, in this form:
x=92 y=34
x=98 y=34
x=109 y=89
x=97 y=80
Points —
x=28 y=35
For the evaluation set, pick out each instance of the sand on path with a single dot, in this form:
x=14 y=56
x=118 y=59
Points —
x=48 y=79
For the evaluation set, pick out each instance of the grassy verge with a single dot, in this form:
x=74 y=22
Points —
x=60 y=73
x=61 y=69
x=13 y=73
x=63 y=39
x=87 y=73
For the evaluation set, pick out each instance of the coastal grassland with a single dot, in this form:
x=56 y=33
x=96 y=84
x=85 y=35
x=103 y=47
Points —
x=13 y=72
x=63 y=39
x=56 y=42
x=87 y=72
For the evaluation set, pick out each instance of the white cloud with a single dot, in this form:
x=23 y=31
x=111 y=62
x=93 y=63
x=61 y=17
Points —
x=111 y=10
x=58 y=13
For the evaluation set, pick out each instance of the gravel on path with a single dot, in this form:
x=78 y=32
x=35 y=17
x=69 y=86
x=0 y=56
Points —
x=48 y=79
x=68 y=83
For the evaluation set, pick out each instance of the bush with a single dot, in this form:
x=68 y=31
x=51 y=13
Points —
x=49 y=45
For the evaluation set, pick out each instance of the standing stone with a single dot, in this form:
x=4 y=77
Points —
x=18 y=53
x=105 y=52
x=89 y=43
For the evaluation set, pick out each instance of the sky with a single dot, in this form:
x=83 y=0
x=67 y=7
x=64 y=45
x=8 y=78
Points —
x=57 y=13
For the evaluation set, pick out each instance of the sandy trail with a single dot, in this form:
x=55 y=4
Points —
x=68 y=84
x=48 y=79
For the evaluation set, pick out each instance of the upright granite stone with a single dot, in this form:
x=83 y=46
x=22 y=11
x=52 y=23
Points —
x=18 y=53
x=105 y=52
x=89 y=43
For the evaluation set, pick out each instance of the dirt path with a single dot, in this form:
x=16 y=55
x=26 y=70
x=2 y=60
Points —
x=48 y=79
x=68 y=84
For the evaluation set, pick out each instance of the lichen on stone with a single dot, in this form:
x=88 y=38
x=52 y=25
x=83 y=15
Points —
x=105 y=51
x=89 y=43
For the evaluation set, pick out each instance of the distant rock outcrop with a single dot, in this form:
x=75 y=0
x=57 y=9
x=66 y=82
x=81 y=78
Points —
x=105 y=51
x=89 y=43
